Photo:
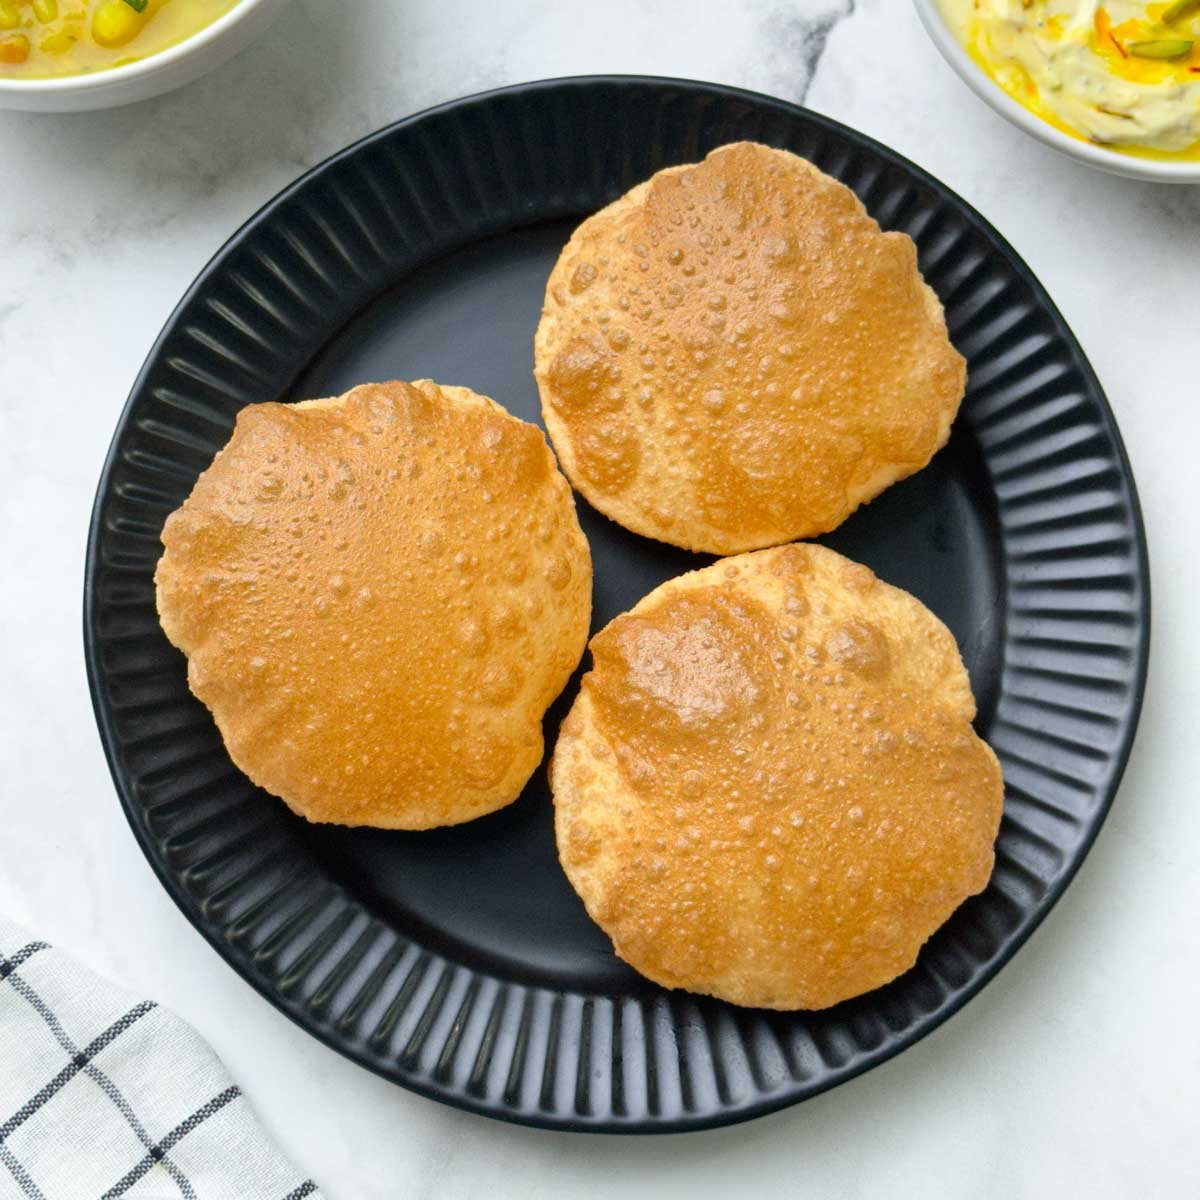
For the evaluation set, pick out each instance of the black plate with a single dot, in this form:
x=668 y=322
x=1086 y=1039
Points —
x=459 y=962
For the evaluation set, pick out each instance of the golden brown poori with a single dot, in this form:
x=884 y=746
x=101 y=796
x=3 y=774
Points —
x=768 y=789
x=734 y=355
x=379 y=595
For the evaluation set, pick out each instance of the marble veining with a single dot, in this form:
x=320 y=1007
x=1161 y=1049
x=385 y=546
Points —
x=1074 y=1072
x=797 y=37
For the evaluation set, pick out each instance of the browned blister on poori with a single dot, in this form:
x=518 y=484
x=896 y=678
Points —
x=379 y=595
x=769 y=789
x=734 y=355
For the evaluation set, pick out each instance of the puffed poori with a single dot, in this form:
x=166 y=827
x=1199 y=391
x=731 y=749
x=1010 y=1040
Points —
x=379 y=595
x=768 y=789
x=734 y=355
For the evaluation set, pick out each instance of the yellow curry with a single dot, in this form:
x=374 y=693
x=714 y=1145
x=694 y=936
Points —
x=40 y=39
x=1124 y=74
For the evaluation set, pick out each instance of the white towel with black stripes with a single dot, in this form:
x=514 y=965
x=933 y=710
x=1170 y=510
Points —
x=103 y=1095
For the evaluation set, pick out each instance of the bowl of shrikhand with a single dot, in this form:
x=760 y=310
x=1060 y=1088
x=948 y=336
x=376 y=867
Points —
x=1112 y=83
x=69 y=55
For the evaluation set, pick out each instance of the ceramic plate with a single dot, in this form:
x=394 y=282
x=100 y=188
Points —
x=459 y=962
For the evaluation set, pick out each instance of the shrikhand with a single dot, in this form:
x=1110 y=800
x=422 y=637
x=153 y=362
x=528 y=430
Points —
x=1124 y=74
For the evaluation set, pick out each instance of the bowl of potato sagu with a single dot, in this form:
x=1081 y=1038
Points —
x=68 y=55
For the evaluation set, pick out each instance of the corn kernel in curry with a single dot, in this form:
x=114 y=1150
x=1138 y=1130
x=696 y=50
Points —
x=44 y=39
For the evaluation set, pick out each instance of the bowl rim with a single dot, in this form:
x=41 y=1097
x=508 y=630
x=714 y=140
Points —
x=150 y=65
x=969 y=71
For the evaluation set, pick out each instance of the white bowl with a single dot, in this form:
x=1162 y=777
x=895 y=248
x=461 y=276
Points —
x=952 y=50
x=151 y=76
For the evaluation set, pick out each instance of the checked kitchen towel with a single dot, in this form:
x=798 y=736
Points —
x=105 y=1095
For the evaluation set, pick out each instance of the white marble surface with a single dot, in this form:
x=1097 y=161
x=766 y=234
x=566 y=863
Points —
x=1077 y=1072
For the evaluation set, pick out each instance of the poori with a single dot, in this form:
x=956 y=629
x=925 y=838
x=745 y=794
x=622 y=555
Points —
x=769 y=789
x=734 y=355
x=379 y=595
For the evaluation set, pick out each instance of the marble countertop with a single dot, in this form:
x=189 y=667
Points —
x=1076 y=1072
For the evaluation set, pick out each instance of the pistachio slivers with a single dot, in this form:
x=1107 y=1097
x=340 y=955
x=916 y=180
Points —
x=1164 y=48
x=1180 y=8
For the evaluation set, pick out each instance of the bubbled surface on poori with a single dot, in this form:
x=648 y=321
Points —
x=733 y=355
x=379 y=596
x=769 y=789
